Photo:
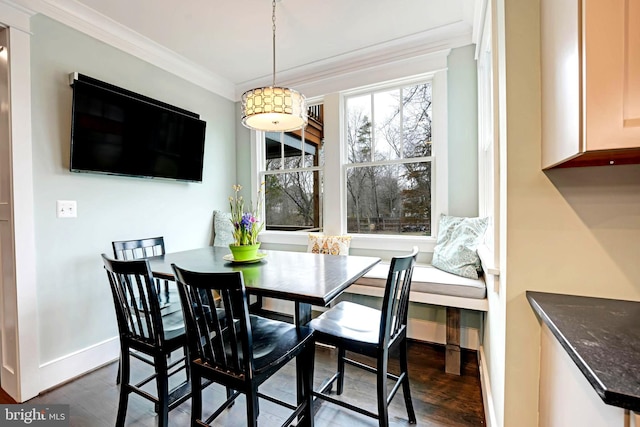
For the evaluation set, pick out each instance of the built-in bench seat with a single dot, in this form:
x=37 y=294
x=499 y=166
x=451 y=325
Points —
x=433 y=286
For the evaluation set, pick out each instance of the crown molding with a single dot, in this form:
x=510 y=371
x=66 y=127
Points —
x=100 y=27
x=15 y=15
x=388 y=55
x=416 y=67
x=385 y=59
x=479 y=21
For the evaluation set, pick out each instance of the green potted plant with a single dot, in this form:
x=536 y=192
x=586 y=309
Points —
x=246 y=227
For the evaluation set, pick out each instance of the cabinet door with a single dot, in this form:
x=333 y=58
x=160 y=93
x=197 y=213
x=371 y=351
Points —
x=611 y=55
x=565 y=397
x=561 y=83
x=590 y=69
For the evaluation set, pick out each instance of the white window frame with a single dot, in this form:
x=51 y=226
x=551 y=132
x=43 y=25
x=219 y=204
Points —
x=260 y=170
x=334 y=170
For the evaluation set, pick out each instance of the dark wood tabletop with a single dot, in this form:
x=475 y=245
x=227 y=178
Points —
x=296 y=276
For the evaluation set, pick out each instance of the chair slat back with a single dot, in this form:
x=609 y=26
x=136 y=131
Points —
x=395 y=304
x=135 y=299
x=217 y=320
x=137 y=249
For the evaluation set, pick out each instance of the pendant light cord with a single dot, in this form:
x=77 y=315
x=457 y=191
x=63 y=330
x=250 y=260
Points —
x=273 y=20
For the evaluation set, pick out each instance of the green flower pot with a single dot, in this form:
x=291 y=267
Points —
x=244 y=252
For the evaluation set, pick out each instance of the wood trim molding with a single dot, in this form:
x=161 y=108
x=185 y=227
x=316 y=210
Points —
x=487 y=395
x=98 y=26
x=398 y=53
x=71 y=366
x=402 y=57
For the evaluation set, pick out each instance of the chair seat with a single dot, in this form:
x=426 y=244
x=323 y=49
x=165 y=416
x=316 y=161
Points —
x=173 y=326
x=348 y=322
x=274 y=343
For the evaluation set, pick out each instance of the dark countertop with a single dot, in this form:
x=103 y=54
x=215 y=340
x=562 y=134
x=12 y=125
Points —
x=602 y=337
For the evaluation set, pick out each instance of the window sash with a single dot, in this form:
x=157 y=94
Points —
x=334 y=170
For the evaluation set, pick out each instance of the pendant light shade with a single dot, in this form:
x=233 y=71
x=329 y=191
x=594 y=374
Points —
x=273 y=108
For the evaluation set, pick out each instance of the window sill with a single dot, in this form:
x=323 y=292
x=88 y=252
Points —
x=358 y=241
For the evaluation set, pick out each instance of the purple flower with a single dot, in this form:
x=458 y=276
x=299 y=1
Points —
x=247 y=221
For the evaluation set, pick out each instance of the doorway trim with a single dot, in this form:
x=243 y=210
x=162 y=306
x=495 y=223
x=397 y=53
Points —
x=19 y=361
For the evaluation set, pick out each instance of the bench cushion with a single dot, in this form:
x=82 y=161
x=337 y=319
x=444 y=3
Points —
x=430 y=280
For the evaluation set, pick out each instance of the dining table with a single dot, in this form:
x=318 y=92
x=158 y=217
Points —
x=307 y=279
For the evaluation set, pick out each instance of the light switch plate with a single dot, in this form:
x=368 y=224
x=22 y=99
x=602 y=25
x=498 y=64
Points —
x=66 y=209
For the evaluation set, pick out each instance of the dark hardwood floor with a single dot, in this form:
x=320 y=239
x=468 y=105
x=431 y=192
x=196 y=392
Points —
x=439 y=399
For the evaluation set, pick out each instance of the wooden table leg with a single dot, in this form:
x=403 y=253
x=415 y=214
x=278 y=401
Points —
x=452 y=357
x=302 y=316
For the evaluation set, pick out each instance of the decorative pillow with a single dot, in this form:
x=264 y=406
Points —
x=332 y=245
x=222 y=228
x=458 y=240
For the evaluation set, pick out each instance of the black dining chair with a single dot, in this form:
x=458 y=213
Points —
x=143 y=248
x=374 y=333
x=148 y=336
x=237 y=350
x=139 y=249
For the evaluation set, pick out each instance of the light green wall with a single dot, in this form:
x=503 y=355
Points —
x=463 y=132
x=573 y=231
x=75 y=309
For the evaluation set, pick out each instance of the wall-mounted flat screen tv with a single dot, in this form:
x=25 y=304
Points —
x=118 y=132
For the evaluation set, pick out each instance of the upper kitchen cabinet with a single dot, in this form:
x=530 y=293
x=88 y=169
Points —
x=590 y=53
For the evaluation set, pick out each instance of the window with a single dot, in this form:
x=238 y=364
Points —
x=378 y=169
x=487 y=150
x=292 y=174
x=388 y=161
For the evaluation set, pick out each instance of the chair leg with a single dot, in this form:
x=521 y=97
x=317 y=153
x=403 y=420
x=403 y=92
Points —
x=124 y=370
x=229 y=394
x=119 y=369
x=341 y=355
x=405 y=384
x=187 y=362
x=383 y=411
x=162 y=382
x=252 y=408
x=306 y=359
x=196 y=398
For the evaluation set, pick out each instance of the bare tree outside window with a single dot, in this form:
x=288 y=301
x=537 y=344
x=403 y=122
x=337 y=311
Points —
x=293 y=178
x=389 y=162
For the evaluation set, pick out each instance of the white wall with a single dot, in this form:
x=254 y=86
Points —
x=75 y=309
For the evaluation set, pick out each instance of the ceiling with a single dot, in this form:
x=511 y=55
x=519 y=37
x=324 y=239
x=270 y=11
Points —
x=231 y=41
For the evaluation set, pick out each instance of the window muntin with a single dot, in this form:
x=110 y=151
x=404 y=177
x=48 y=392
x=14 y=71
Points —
x=390 y=194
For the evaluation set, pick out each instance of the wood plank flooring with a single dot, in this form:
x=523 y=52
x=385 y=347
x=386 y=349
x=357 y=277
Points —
x=439 y=399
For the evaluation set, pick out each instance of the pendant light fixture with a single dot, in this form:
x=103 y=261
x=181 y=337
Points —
x=274 y=108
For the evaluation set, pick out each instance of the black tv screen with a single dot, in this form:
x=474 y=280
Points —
x=118 y=132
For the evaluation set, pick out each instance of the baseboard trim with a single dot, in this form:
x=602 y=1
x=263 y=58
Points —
x=78 y=363
x=487 y=396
